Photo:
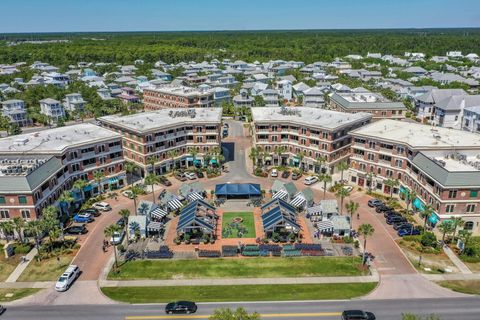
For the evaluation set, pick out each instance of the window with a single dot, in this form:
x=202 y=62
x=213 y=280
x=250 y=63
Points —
x=468 y=225
x=473 y=194
x=452 y=194
x=470 y=208
x=398 y=163
x=371 y=157
x=4 y=214
x=449 y=208
x=22 y=199
x=2 y=200
x=26 y=214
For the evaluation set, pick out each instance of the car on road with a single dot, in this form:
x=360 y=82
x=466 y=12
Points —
x=128 y=194
x=296 y=175
x=2 y=309
x=274 y=173
x=76 y=229
x=200 y=174
x=180 y=176
x=83 y=218
x=382 y=208
x=285 y=174
x=310 y=180
x=102 y=206
x=402 y=225
x=225 y=132
x=374 y=203
x=92 y=211
x=190 y=175
x=181 y=307
x=357 y=315
x=164 y=181
x=395 y=219
x=348 y=188
x=67 y=278
x=117 y=237
x=408 y=232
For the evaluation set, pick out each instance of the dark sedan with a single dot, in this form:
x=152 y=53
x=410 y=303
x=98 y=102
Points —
x=181 y=307
x=402 y=225
x=395 y=219
x=374 y=203
x=164 y=181
x=285 y=174
x=94 y=212
x=357 y=315
x=382 y=208
x=80 y=229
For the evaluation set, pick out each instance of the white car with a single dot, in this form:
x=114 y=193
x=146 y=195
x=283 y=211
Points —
x=274 y=173
x=310 y=180
x=67 y=278
x=102 y=206
x=127 y=193
x=190 y=175
x=117 y=237
x=348 y=188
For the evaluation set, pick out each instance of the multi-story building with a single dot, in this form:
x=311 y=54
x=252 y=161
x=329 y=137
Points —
x=243 y=99
x=441 y=165
x=450 y=112
x=304 y=135
x=471 y=119
x=171 y=96
x=35 y=168
x=270 y=97
x=74 y=102
x=52 y=108
x=427 y=102
x=15 y=111
x=369 y=102
x=168 y=136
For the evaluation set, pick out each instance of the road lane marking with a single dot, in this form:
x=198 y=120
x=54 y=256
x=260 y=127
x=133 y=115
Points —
x=267 y=315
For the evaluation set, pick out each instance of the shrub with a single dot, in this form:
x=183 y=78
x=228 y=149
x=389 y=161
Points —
x=347 y=239
x=429 y=240
x=22 y=248
x=413 y=238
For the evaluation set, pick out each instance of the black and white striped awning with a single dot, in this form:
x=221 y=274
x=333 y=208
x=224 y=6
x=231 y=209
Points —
x=175 y=204
x=155 y=226
x=282 y=194
x=159 y=213
x=194 y=196
x=299 y=201
x=325 y=226
x=315 y=211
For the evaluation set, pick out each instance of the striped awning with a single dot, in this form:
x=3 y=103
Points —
x=194 y=196
x=315 y=211
x=298 y=201
x=155 y=226
x=325 y=226
x=175 y=204
x=159 y=213
x=282 y=194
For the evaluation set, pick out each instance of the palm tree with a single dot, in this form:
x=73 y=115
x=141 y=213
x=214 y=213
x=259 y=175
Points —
x=457 y=222
x=410 y=197
x=365 y=230
x=80 y=184
x=465 y=236
x=352 y=208
x=342 y=166
x=254 y=156
x=300 y=157
x=151 y=161
x=193 y=152
x=53 y=234
x=67 y=198
x=279 y=151
x=370 y=176
x=18 y=225
x=392 y=183
x=125 y=213
x=172 y=154
x=130 y=168
x=325 y=178
x=428 y=212
x=445 y=227
x=319 y=162
x=151 y=180
x=7 y=228
x=110 y=232
x=136 y=191
x=35 y=228
x=342 y=193
x=98 y=177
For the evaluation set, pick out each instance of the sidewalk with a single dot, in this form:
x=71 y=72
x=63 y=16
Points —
x=456 y=261
x=452 y=276
x=22 y=266
x=22 y=285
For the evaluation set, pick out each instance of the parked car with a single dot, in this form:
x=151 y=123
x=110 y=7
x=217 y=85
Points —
x=83 y=218
x=382 y=208
x=357 y=315
x=310 y=180
x=296 y=175
x=200 y=174
x=348 y=188
x=76 y=229
x=274 y=173
x=285 y=174
x=389 y=213
x=92 y=211
x=402 y=225
x=181 y=307
x=117 y=237
x=102 y=206
x=374 y=203
x=225 y=132
x=408 y=232
x=164 y=181
x=121 y=222
x=180 y=176
x=128 y=194
x=190 y=175
x=67 y=278
x=395 y=219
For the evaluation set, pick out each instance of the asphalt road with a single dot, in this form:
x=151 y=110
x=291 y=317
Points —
x=447 y=309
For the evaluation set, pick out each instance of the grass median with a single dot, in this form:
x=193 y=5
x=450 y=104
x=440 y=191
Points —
x=462 y=286
x=7 y=295
x=279 y=292
x=239 y=268
x=47 y=269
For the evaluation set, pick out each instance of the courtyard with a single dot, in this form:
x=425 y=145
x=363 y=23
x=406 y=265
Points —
x=238 y=225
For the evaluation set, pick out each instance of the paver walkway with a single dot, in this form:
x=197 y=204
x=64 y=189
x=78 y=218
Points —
x=22 y=266
x=456 y=261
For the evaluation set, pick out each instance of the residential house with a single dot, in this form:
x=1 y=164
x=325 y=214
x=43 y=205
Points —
x=15 y=111
x=52 y=108
x=74 y=102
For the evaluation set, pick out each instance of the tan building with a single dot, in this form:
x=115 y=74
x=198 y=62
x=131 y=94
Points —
x=167 y=135
x=311 y=132
x=170 y=96
x=35 y=168
x=441 y=165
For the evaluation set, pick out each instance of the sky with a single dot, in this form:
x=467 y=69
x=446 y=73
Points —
x=179 y=15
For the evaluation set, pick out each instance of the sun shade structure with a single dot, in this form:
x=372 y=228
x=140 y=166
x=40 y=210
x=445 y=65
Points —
x=238 y=190
x=282 y=194
x=159 y=213
x=197 y=215
x=325 y=226
x=278 y=214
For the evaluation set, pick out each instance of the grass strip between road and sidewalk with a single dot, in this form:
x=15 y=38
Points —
x=15 y=294
x=270 y=292
x=462 y=286
x=239 y=268
x=48 y=269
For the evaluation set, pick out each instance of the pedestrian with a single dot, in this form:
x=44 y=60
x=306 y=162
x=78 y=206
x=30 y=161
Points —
x=358 y=216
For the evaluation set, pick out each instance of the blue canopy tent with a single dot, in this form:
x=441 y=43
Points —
x=238 y=190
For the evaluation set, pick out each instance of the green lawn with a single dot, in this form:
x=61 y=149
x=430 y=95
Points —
x=277 y=292
x=17 y=294
x=239 y=268
x=46 y=269
x=469 y=287
x=248 y=223
x=7 y=265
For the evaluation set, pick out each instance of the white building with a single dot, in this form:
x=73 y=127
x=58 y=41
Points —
x=313 y=97
x=52 y=108
x=15 y=111
x=449 y=113
x=285 y=89
x=74 y=102
x=426 y=103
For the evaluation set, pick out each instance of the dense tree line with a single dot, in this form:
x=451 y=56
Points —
x=173 y=47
